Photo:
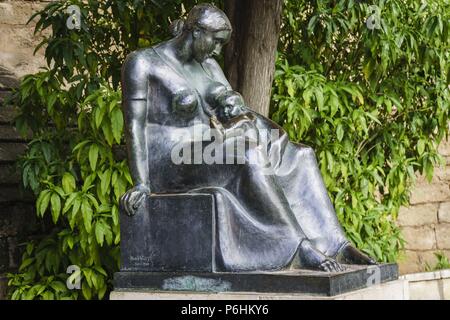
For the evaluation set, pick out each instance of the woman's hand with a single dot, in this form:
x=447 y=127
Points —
x=133 y=199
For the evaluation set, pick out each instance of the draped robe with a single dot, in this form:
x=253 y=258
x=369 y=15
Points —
x=263 y=210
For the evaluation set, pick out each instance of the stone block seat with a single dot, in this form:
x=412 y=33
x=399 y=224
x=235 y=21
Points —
x=169 y=246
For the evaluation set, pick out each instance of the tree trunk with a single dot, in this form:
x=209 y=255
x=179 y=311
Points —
x=250 y=55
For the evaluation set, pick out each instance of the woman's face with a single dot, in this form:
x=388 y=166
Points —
x=208 y=43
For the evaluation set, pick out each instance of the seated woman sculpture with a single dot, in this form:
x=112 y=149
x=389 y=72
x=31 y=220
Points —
x=265 y=219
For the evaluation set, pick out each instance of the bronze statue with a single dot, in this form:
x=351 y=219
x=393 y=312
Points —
x=266 y=219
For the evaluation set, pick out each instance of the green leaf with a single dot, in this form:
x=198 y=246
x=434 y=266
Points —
x=59 y=191
x=377 y=250
x=69 y=202
x=25 y=263
x=99 y=233
x=76 y=207
x=86 y=212
x=56 y=207
x=29 y=295
x=429 y=170
x=29 y=248
x=39 y=289
x=114 y=177
x=70 y=242
x=43 y=201
x=68 y=182
x=99 y=114
x=330 y=161
x=93 y=200
x=52 y=260
x=15 y=295
x=51 y=101
x=88 y=182
x=420 y=146
x=115 y=215
x=100 y=270
x=319 y=97
x=292 y=108
x=311 y=24
x=107 y=132
x=307 y=94
x=100 y=102
x=87 y=292
x=105 y=181
x=94 y=280
x=80 y=145
x=369 y=230
x=48 y=295
x=58 y=286
x=88 y=276
x=290 y=88
x=93 y=156
x=101 y=292
x=334 y=104
x=127 y=175
x=117 y=124
x=340 y=132
x=112 y=104
x=373 y=117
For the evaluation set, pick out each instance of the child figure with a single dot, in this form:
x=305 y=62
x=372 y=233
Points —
x=229 y=113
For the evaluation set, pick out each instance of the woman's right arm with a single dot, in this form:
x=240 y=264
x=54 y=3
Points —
x=135 y=75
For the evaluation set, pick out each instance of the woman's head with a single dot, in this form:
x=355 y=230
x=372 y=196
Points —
x=210 y=29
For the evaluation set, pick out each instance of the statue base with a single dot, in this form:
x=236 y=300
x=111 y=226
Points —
x=289 y=281
x=392 y=290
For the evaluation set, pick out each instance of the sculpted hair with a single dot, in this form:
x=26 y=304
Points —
x=205 y=16
x=176 y=27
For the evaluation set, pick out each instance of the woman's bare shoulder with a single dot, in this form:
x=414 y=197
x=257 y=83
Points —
x=143 y=60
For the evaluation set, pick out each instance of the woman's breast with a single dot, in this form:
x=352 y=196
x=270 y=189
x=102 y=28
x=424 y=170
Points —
x=180 y=106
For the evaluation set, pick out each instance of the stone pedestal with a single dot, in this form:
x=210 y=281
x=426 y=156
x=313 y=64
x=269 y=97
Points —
x=433 y=285
x=289 y=281
x=169 y=233
x=392 y=290
x=169 y=246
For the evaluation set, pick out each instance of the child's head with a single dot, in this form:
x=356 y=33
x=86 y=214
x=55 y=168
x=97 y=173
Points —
x=230 y=99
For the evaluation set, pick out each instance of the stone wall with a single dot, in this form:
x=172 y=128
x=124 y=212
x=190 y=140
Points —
x=18 y=222
x=426 y=222
x=17 y=39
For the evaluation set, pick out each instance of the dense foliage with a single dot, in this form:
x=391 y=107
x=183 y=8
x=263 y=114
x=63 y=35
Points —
x=371 y=95
x=374 y=103
x=74 y=163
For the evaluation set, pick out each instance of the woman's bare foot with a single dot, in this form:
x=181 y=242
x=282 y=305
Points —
x=312 y=258
x=350 y=255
